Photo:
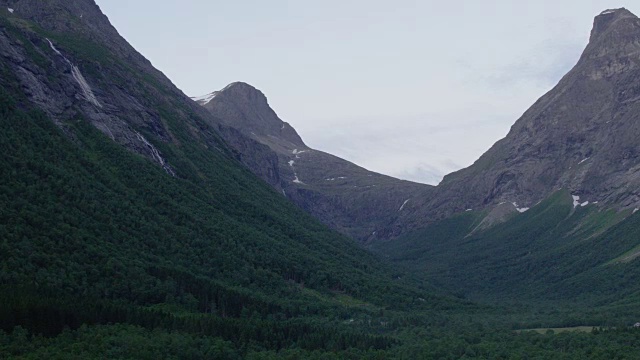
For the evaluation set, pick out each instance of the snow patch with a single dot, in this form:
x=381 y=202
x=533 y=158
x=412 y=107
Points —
x=297 y=152
x=635 y=210
x=469 y=210
x=607 y=12
x=282 y=128
x=10 y=10
x=576 y=200
x=295 y=174
x=583 y=160
x=403 y=204
x=520 y=210
x=205 y=99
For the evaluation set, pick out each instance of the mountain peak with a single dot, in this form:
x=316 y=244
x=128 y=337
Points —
x=240 y=87
x=246 y=108
x=612 y=13
x=237 y=88
x=577 y=137
x=610 y=18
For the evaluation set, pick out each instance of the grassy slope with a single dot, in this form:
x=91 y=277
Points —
x=552 y=254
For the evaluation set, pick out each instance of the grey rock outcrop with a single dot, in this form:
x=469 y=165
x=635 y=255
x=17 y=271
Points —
x=582 y=136
x=52 y=48
x=347 y=197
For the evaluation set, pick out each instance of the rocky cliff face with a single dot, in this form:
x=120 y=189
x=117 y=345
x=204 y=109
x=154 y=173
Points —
x=581 y=136
x=343 y=195
x=72 y=64
x=246 y=108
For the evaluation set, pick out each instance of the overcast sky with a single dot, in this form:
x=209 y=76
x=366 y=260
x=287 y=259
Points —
x=413 y=89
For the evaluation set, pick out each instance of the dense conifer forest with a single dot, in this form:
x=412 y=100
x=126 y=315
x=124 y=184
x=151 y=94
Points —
x=105 y=255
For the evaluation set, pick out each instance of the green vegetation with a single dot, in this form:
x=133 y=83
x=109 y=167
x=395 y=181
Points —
x=559 y=265
x=586 y=329
x=103 y=255
x=94 y=234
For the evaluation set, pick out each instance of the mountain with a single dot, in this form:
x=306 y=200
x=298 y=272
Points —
x=347 y=197
x=131 y=228
x=98 y=74
x=552 y=218
x=581 y=136
x=546 y=213
x=123 y=211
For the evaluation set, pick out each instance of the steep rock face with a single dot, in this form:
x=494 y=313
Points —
x=256 y=156
x=349 y=198
x=72 y=64
x=246 y=108
x=581 y=136
x=82 y=18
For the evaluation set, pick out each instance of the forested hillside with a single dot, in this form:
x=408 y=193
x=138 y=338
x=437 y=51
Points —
x=94 y=234
x=556 y=256
x=130 y=230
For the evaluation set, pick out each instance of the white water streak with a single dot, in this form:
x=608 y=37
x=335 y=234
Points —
x=77 y=75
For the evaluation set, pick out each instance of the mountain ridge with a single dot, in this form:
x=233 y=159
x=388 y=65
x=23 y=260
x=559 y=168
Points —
x=553 y=145
x=107 y=254
x=341 y=194
x=122 y=204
